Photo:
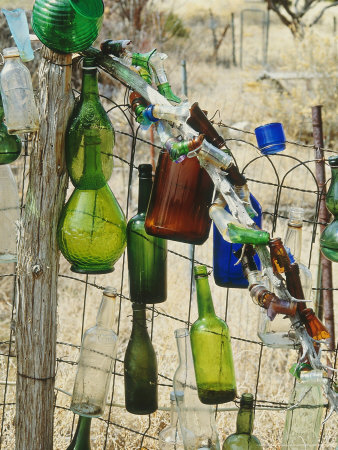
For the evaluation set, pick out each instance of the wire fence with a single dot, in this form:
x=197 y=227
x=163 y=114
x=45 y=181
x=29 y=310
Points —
x=277 y=182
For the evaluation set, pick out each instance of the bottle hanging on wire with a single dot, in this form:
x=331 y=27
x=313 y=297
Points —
x=97 y=355
x=170 y=437
x=147 y=255
x=140 y=367
x=17 y=95
x=92 y=227
x=81 y=439
x=211 y=348
x=329 y=237
x=304 y=416
x=10 y=145
x=243 y=439
x=197 y=420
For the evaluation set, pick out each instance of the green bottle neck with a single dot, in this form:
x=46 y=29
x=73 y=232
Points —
x=90 y=87
x=2 y=114
x=204 y=299
x=245 y=419
x=139 y=320
x=81 y=439
x=145 y=185
x=332 y=194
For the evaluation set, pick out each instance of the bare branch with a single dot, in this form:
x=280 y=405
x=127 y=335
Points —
x=322 y=12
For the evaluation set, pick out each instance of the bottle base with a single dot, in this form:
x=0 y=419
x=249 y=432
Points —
x=86 y=410
x=170 y=235
x=141 y=412
x=92 y=271
x=214 y=397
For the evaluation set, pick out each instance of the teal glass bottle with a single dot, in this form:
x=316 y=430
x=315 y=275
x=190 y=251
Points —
x=140 y=367
x=211 y=348
x=329 y=238
x=243 y=439
x=147 y=255
x=92 y=227
x=10 y=144
x=81 y=439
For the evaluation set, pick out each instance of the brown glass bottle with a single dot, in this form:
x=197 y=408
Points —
x=179 y=204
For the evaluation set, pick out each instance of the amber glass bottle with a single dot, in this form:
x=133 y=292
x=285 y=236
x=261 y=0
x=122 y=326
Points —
x=181 y=194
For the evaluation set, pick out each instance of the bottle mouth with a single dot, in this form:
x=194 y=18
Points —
x=110 y=291
x=181 y=332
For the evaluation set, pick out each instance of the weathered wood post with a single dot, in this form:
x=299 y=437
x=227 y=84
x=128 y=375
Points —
x=38 y=259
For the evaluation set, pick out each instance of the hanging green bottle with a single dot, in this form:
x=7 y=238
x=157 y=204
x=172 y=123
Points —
x=140 y=367
x=147 y=255
x=92 y=227
x=211 y=348
x=10 y=144
x=243 y=439
x=329 y=238
x=81 y=439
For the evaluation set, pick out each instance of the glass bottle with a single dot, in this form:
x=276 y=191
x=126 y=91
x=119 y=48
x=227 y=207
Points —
x=293 y=242
x=303 y=422
x=90 y=135
x=170 y=437
x=147 y=255
x=329 y=237
x=98 y=351
x=9 y=214
x=81 y=439
x=243 y=439
x=197 y=420
x=10 y=145
x=226 y=273
x=211 y=348
x=140 y=367
x=17 y=94
x=92 y=227
x=181 y=192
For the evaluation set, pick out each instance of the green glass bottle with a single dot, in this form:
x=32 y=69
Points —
x=81 y=439
x=10 y=144
x=147 y=255
x=211 y=348
x=329 y=238
x=140 y=367
x=90 y=135
x=243 y=438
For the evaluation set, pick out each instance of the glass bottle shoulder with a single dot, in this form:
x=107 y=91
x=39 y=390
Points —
x=137 y=222
x=99 y=334
x=90 y=113
x=15 y=74
x=241 y=442
x=210 y=323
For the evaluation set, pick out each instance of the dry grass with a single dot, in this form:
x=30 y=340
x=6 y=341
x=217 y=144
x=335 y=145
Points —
x=239 y=98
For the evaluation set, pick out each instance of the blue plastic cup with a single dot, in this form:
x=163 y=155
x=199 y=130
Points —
x=270 y=138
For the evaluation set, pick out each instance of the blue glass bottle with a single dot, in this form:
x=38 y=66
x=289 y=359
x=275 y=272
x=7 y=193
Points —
x=226 y=274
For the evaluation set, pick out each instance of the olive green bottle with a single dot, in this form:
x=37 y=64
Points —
x=147 y=255
x=140 y=367
x=211 y=348
x=243 y=438
x=10 y=144
x=81 y=439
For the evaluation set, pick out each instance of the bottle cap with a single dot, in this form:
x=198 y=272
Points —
x=145 y=170
x=200 y=270
x=270 y=138
x=247 y=399
x=333 y=161
x=11 y=52
x=110 y=291
x=148 y=113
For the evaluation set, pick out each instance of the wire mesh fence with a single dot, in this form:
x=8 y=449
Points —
x=278 y=182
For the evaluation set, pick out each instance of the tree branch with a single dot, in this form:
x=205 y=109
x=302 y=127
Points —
x=322 y=12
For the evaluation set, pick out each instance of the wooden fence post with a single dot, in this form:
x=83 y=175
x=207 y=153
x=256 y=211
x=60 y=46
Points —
x=38 y=259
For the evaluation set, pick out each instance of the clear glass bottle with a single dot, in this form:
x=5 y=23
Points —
x=329 y=237
x=140 y=367
x=170 y=437
x=293 y=242
x=303 y=422
x=147 y=255
x=197 y=420
x=243 y=439
x=9 y=214
x=98 y=351
x=81 y=439
x=211 y=348
x=17 y=94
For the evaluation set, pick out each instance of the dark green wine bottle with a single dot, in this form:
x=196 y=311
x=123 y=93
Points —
x=211 y=348
x=243 y=438
x=147 y=255
x=140 y=367
x=81 y=439
x=90 y=135
x=10 y=144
